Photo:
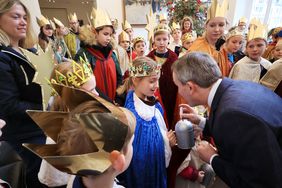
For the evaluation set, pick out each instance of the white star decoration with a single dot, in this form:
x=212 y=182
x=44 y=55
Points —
x=151 y=24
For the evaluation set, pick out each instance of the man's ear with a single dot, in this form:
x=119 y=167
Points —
x=191 y=86
x=118 y=160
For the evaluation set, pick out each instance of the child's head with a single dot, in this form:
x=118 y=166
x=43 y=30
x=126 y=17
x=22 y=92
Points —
x=186 y=24
x=163 y=19
x=74 y=74
x=144 y=73
x=104 y=34
x=242 y=24
x=255 y=48
x=139 y=46
x=124 y=40
x=215 y=28
x=277 y=51
x=234 y=40
x=161 y=37
x=187 y=40
x=128 y=29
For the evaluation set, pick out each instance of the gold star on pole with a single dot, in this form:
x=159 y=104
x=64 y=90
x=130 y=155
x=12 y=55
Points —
x=43 y=64
x=151 y=24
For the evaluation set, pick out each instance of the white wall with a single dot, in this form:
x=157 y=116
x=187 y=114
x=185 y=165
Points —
x=34 y=9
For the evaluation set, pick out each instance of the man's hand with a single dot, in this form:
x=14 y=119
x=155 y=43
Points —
x=206 y=150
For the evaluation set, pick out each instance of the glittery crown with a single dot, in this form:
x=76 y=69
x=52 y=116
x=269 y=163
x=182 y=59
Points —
x=138 y=39
x=162 y=17
x=80 y=73
x=187 y=37
x=100 y=18
x=218 y=9
x=234 y=32
x=143 y=70
x=126 y=25
x=175 y=26
x=58 y=22
x=161 y=28
x=42 y=21
x=72 y=17
x=123 y=36
x=257 y=30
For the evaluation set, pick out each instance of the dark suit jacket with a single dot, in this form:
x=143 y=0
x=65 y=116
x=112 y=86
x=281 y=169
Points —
x=246 y=124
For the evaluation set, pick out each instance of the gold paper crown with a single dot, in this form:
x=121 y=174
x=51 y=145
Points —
x=58 y=22
x=162 y=17
x=44 y=64
x=218 y=10
x=126 y=25
x=123 y=36
x=161 y=28
x=175 y=26
x=187 y=37
x=138 y=39
x=243 y=20
x=42 y=21
x=234 y=32
x=80 y=74
x=109 y=129
x=100 y=18
x=257 y=30
x=143 y=70
x=72 y=17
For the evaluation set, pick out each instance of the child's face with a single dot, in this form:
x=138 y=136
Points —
x=187 y=44
x=277 y=52
x=124 y=44
x=255 y=48
x=140 y=48
x=129 y=31
x=215 y=28
x=187 y=25
x=104 y=36
x=90 y=86
x=233 y=44
x=161 y=42
x=146 y=86
x=176 y=35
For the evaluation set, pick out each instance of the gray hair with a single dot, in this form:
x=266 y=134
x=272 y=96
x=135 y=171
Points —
x=198 y=67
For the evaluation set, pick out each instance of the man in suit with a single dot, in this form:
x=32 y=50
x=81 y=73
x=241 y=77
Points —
x=245 y=122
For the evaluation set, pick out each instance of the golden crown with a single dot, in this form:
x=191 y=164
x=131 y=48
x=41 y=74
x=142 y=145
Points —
x=257 y=30
x=218 y=9
x=187 y=37
x=126 y=25
x=175 y=26
x=100 y=18
x=243 y=20
x=72 y=17
x=42 y=21
x=123 y=36
x=138 y=39
x=162 y=17
x=161 y=28
x=80 y=73
x=109 y=129
x=143 y=70
x=58 y=22
x=234 y=32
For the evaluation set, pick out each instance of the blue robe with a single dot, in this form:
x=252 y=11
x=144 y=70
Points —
x=147 y=168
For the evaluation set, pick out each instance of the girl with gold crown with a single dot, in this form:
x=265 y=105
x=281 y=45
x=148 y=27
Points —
x=18 y=90
x=152 y=142
x=99 y=52
x=46 y=34
x=214 y=29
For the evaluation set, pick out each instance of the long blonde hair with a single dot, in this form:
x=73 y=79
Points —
x=30 y=39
